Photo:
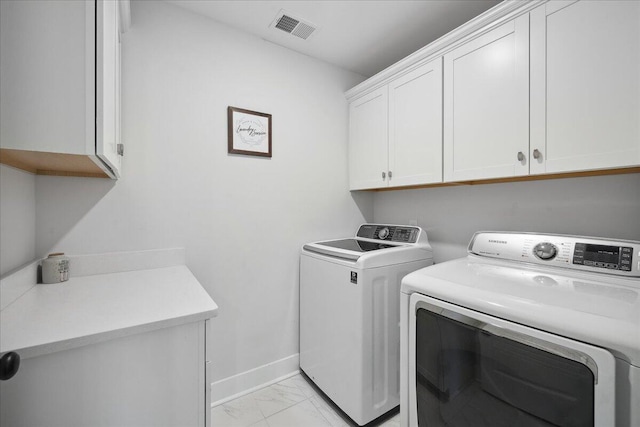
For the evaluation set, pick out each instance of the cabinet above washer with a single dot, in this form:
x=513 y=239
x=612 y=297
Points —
x=395 y=134
x=531 y=90
x=60 y=86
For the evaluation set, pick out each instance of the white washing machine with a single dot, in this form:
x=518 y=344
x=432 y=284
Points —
x=527 y=330
x=349 y=315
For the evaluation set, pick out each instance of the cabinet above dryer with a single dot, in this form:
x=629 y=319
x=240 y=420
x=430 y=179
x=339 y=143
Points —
x=486 y=105
x=531 y=90
x=60 y=86
x=585 y=86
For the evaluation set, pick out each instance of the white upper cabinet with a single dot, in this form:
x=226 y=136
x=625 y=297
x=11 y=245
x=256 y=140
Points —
x=528 y=88
x=415 y=126
x=368 y=130
x=59 y=86
x=108 y=83
x=585 y=85
x=396 y=131
x=486 y=105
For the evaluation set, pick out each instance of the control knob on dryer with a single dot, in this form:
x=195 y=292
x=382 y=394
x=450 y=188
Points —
x=545 y=251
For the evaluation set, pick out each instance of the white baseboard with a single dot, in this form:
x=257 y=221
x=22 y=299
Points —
x=247 y=382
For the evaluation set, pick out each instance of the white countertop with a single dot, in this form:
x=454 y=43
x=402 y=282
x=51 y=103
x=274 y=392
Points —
x=91 y=309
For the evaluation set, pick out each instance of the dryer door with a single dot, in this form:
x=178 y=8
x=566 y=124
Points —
x=470 y=369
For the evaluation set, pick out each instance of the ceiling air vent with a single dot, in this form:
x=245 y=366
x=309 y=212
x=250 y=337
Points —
x=295 y=26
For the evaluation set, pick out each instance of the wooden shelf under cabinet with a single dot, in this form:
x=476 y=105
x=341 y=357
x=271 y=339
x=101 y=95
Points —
x=600 y=172
x=43 y=163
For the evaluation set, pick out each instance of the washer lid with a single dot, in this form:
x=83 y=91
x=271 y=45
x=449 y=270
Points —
x=355 y=245
x=393 y=243
x=602 y=310
x=351 y=249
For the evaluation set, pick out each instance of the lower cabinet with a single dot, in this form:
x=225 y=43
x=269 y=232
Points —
x=158 y=378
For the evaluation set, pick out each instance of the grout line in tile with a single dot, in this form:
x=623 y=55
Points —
x=254 y=389
x=321 y=414
x=298 y=403
x=284 y=409
x=318 y=394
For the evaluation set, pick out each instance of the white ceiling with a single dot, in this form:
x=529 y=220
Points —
x=363 y=36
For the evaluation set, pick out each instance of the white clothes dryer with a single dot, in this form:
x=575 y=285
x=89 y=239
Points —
x=349 y=315
x=527 y=330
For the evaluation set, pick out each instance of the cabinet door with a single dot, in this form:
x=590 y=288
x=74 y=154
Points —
x=148 y=379
x=107 y=84
x=415 y=126
x=46 y=78
x=486 y=105
x=368 y=135
x=118 y=89
x=585 y=85
x=51 y=104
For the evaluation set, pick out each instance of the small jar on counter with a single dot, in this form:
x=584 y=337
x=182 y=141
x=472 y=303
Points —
x=55 y=268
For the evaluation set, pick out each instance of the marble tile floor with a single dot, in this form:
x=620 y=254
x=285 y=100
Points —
x=293 y=402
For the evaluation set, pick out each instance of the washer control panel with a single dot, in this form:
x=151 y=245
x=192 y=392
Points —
x=574 y=252
x=391 y=233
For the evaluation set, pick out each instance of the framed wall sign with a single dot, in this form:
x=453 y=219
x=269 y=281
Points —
x=249 y=132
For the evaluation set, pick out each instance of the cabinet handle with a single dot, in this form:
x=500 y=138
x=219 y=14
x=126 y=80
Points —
x=390 y=175
x=120 y=149
x=9 y=365
x=537 y=154
x=520 y=156
x=384 y=175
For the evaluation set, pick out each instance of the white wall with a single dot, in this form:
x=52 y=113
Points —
x=17 y=218
x=605 y=206
x=241 y=219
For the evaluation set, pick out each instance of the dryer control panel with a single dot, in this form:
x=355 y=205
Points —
x=575 y=252
x=603 y=256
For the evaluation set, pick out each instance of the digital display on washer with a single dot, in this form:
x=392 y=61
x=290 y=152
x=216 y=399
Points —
x=403 y=235
x=355 y=245
x=603 y=256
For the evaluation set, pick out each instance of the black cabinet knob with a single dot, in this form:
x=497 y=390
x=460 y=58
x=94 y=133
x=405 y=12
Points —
x=9 y=365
